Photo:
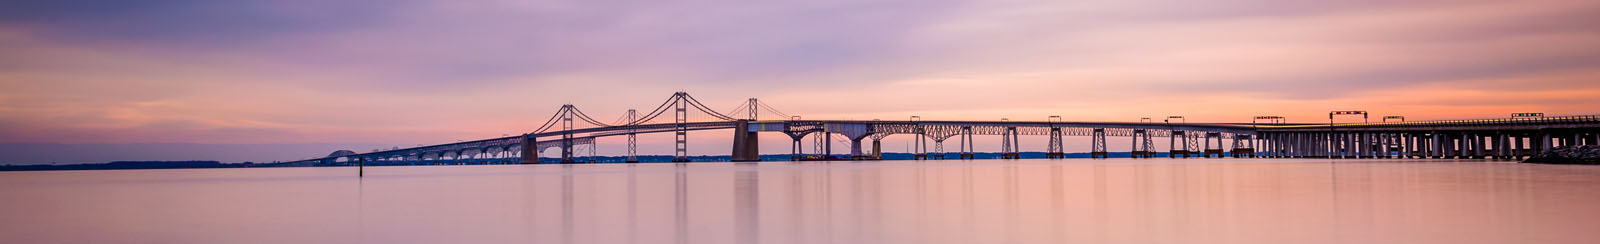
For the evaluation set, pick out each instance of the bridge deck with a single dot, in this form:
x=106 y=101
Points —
x=945 y=128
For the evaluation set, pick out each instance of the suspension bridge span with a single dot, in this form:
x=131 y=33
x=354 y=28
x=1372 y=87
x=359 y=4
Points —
x=574 y=132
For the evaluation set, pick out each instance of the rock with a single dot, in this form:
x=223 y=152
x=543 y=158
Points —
x=1585 y=154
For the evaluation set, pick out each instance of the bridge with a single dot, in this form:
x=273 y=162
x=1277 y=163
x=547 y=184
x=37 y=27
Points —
x=574 y=133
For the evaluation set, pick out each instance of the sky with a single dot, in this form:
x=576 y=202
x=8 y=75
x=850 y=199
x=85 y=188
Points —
x=316 y=72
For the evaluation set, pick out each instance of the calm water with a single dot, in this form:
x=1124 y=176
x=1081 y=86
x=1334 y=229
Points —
x=990 y=201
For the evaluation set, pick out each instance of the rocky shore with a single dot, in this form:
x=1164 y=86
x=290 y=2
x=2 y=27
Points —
x=1585 y=154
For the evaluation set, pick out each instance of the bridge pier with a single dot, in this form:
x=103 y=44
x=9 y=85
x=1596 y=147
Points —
x=1517 y=147
x=1172 y=144
x=1426 y=145
x=1097 y=141
x=1316 y=145
x=1307 y=147
x=1436 y=146
x=1055 y=149
x=1240 y=147
x=1141 y=145
x=1279 y=150
x=1455 y=145
x=1280 y=145
x=877 y=149
x=1501 y=145
x=1284 y=145
x=530 y=151
x=1208 y=150
x=1342 y=145
x=1010 y=144
x=1368 y=145
x=794 y=148
x=1379 y=145
x=919 y=146
x=855 y=150
x=1404 y=144
x=746 y=144
x=1477 y=146
x=1544 y=142
x=966 y=143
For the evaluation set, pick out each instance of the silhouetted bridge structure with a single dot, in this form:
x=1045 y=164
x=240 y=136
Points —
x=574 y=133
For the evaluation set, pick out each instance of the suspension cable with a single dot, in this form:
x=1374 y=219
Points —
x=703 y=108
x=552 y=121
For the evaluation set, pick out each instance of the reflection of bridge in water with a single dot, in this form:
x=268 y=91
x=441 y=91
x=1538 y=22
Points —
x=574 y=133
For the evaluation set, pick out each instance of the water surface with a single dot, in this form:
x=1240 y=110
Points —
x=983 y=201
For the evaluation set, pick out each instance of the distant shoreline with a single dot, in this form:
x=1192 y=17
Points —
x=207 y=164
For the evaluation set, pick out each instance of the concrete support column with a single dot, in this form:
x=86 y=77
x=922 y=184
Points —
x=795 y=148
x=1385 y=142
x=1577 y=139
x=1517 y=148
x=1334 y=151
x=1348 y=150
x=1278 y=145
x=1342 y=145
x=1426 y=142
x=1285 y=144
x=877 y=149
x=1328 y=141
x=1544 y=142
x=1282 y=143
x=855 y=149
x=1446 y=145
x=1308 y=145
x=1405 y=145
x=1410 y=145
x=745 y=143
x=1500 y=145
x=1316 y=145
x=1452 y=146
x=1321 y=141
x=1477 y=146
x=530 y=151
x=1371 y=146
x=1436 y=146
x=1302 y=145
x=1172 y=144
x=1133 y=151
x=1352 y=145
x=1420 y=146
x=1470 y=148
x=1265 y=149
x=1288 y=144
